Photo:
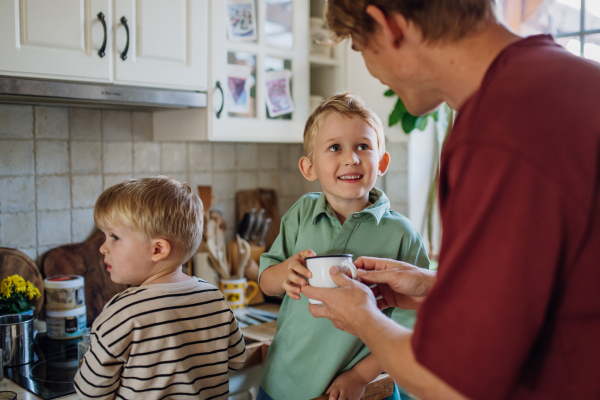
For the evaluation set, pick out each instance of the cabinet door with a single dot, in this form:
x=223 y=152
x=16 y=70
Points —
x=251 y=40
x=56 y=39
x=167 y=43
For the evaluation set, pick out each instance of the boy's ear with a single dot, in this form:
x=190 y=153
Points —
x=161 y=248
x=384 y=163
x=307 y=169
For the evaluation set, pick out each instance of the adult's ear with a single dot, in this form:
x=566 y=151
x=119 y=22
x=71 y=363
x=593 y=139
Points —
x=393 y=26
x=384 y=163
x=307 y=169
x=161 y=248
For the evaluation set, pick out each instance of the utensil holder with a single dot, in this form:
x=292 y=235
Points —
x=16 y=339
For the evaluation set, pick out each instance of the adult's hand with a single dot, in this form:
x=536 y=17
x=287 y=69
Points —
x=347 y=306
x=400 y=284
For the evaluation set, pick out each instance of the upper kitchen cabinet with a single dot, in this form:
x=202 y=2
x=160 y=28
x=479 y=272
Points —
x=161 y=43
x=260 y=73
x=156 y=43
x=259 y=78
x=58 y=39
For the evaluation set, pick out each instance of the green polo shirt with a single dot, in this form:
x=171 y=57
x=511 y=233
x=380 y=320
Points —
x=307 y=353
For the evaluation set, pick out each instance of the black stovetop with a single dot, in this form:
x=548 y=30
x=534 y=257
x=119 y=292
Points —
x=51 y=373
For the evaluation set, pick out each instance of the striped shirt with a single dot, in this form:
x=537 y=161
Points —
x=163 y=341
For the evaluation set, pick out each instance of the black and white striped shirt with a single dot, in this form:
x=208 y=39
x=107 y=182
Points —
x=163 y=341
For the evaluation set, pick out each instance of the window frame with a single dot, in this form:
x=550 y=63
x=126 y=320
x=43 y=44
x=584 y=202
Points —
x=581 y=33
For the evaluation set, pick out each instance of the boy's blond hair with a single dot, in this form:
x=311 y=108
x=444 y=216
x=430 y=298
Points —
x=154 y=207
x=346 y=105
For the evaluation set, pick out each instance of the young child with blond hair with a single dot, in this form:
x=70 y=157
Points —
x=345 y=151
x=169 y=335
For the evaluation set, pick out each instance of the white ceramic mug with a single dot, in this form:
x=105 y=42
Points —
x=319 y=268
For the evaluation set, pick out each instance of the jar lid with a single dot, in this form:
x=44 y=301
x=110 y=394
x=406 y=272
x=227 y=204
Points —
x=63 y=281
x=66 y=313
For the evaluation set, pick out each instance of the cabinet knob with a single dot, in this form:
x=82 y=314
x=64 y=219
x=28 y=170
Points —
x=102 y=50
x=124 y=53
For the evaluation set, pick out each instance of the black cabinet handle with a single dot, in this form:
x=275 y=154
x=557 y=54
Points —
x=222 y=99
x=124 y=53
x=102 y=50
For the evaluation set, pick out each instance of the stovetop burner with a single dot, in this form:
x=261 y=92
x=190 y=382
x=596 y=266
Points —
x=51 y=373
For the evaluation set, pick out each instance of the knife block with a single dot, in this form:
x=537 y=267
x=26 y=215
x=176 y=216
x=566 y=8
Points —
x=256 y=251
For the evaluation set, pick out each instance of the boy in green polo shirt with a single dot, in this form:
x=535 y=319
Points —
x=345 y=152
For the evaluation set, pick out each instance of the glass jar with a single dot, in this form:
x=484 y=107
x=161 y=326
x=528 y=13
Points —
x=84 y=345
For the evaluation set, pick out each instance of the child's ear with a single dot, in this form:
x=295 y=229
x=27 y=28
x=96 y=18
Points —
x=161 y=248
x=384 y=163
x=307 y=169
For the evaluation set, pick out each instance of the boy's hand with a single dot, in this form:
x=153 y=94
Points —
x=297 y=273
x=347 y=386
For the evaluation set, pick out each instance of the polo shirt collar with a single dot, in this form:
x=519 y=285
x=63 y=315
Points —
x=380 y=205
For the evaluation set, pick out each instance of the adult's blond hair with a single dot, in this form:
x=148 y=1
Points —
x=154 y=207
x=439 y=20
x=346 y=105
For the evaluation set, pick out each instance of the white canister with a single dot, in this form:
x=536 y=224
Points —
x=64 y=292
x=66 y=324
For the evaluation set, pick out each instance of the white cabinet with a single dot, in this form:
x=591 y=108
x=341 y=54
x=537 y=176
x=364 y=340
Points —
x=161 y=43
x=257 y=47
x=166 y=42
x=57 y=39
x=280 y=44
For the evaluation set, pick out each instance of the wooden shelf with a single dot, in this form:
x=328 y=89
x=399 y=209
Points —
x=323 y=61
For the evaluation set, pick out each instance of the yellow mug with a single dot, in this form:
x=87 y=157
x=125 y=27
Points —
x=235 y=290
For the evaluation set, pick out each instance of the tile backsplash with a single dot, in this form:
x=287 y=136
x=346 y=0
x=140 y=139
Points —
x=55 y=162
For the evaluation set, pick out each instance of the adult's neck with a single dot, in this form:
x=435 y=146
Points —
x=461 y=66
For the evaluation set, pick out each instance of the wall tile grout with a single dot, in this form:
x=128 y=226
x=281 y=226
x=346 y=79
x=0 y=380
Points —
x=37 y=239
x=223 y=169
x=70 y=174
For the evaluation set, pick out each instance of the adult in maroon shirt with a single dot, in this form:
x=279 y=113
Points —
x=514 y=311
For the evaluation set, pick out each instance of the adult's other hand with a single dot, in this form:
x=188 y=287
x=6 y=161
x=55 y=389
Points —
x=347 y=306
x=400 y=284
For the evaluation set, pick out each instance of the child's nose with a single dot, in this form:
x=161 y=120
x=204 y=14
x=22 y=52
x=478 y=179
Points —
x=103 y=249
x=352 y=158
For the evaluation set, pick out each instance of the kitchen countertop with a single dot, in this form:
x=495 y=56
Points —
x=258 y=338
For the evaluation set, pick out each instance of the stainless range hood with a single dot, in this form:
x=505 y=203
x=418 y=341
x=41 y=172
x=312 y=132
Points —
x=34 y=91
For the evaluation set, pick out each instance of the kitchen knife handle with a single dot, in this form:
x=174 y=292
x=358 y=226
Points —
x=124 y=53
x=260 y=219
x=102 y=50
x=265 y=231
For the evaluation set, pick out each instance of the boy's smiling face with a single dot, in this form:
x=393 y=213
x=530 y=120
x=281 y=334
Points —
x=345 y=160
x=126 y=255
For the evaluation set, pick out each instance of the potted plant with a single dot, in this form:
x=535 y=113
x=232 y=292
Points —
x=17 y=295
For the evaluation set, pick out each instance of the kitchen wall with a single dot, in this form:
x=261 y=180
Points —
x=55 y=162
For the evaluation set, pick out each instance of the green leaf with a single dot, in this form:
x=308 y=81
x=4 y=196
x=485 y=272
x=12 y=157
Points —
x=393 y=119
x=397 y=113
x=408 y=123
x=435 y=115
x=400 y=108
x=421 y=122
x=389 y=93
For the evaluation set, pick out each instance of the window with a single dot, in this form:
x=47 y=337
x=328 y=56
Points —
x=575 y=24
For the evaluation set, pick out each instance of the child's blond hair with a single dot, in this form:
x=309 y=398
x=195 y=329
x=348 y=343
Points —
x=346 y=105
x=154 y=207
